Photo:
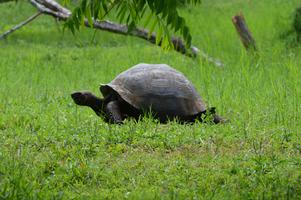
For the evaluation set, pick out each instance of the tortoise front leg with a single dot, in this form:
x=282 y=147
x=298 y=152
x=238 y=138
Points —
x=113 y=112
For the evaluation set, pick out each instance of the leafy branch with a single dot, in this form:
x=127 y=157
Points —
x=54 y=9
x=162 y=14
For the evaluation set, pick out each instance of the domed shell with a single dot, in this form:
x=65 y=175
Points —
x=157 y=87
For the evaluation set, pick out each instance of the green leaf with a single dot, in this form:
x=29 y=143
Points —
x=152 y=28
x=159 y=35
x=148 y=19
x=89 y=17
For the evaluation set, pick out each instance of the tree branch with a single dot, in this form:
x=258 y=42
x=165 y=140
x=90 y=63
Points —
x=4 y=35
x=51 y=7
x=179 y=45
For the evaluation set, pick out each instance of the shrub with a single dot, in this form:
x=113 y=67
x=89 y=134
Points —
x=297 y=22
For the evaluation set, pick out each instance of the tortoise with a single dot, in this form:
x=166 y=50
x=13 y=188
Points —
x=155 y=88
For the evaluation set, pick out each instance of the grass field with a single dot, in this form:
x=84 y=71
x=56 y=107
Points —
x=52 y=149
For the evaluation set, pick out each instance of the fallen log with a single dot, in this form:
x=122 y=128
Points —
x=51 y=7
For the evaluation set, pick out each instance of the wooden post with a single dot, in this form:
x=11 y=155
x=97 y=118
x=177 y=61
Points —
x=244 y=32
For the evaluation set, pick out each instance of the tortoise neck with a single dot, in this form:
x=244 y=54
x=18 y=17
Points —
x=96 y=104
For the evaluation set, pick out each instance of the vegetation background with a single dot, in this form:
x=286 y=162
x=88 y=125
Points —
x=52 y=149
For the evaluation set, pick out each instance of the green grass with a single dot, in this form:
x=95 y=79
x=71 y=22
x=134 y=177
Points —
x=52 y=149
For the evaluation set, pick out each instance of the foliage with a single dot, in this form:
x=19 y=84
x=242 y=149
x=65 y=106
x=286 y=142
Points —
x=4 y=1
x=297 y=22
x=157 y=13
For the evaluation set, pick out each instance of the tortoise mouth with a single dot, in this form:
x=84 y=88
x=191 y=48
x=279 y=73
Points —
x=76 y=95
x=79 y=98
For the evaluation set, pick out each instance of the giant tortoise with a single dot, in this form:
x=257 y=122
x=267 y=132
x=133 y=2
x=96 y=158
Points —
x=155 y=88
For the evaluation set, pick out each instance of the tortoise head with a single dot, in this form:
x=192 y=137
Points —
x=86 y=98
x=82 y=98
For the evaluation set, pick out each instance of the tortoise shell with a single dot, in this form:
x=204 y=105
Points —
x=157 y=87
